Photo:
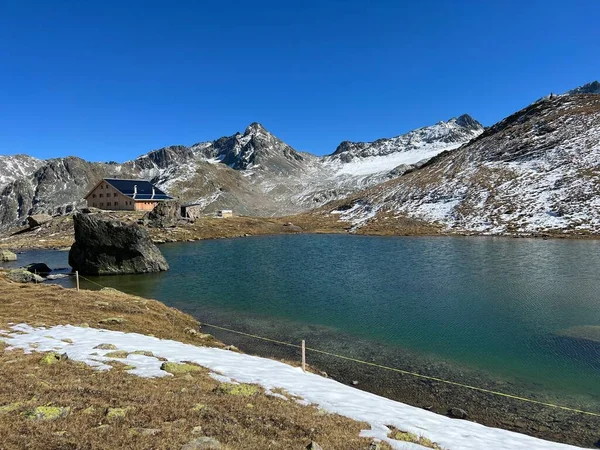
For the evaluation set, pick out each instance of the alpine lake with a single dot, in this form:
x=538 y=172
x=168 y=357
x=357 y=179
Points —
x=517 y=316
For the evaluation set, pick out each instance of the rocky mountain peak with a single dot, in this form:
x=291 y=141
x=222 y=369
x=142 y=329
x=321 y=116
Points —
x=466 y=121
x=255 y=128
x=589 y=88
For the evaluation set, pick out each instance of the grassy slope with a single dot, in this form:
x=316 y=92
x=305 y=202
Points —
x=167 y=404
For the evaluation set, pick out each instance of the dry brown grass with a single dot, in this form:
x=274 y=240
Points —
x=166 y=404
x=59 y=233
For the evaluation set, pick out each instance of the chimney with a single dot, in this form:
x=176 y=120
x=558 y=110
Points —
x=134 y=190
x=152 y=198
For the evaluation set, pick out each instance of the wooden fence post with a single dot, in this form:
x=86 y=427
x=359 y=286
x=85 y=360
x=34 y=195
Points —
x=77 y=279
x=303 y=355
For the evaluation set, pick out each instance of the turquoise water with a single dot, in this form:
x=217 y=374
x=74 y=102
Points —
x=487 y=305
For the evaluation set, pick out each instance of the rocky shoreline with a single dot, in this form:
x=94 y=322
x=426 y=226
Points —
x=508 y=413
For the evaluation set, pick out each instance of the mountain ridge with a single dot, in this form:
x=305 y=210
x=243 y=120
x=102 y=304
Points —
x=253 y=172
x=536 y=171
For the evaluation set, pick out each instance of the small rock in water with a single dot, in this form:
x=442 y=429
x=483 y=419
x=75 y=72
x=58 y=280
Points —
x=40 y=268
x=203 y=443
x=458 y=413
x=5 y=255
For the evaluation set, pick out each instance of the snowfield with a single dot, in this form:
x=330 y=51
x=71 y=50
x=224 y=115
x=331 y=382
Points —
x=229 y=366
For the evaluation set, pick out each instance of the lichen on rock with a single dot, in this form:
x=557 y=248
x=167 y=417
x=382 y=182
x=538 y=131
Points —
x=244 y=390
x=179 y=368
x=53 y=358
x=114 y=414
x=121 y=354
x=48 y=413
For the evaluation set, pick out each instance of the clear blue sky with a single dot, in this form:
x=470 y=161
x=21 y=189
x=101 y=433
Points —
x=109 y=80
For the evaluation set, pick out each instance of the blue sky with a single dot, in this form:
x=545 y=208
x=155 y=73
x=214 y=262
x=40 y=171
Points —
x=109 y=80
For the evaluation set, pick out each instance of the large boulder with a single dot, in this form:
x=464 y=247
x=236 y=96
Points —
x=38 y=220
x=164 y=215
x=109 y=247
x=6 y=255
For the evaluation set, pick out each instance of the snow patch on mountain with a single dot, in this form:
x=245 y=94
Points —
x=386 y=162
x=15 y=166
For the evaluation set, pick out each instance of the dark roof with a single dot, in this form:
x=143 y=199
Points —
x=144 y=189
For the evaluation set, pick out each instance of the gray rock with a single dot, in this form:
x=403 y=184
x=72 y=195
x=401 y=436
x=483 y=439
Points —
x=203 y=443
x=313 y=446
x=24 y=276
x=458 y=413
x=112 y=321
x=39 y=268
x=290 y=227
x=38 y=220
x=106 y=247
x=6 y=255
x=164 y=215
x=374 y=446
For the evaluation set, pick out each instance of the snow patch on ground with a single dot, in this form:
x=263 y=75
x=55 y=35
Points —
x=313 y=389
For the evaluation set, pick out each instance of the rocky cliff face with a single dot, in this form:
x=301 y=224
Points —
x=255 y=149
x=56 y=187
x=16 y=166
x=538 y=170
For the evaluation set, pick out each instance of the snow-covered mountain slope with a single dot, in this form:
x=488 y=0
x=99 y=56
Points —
x=255 y=173
x=538 y=170
x=442 y=135
x=15 y=166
